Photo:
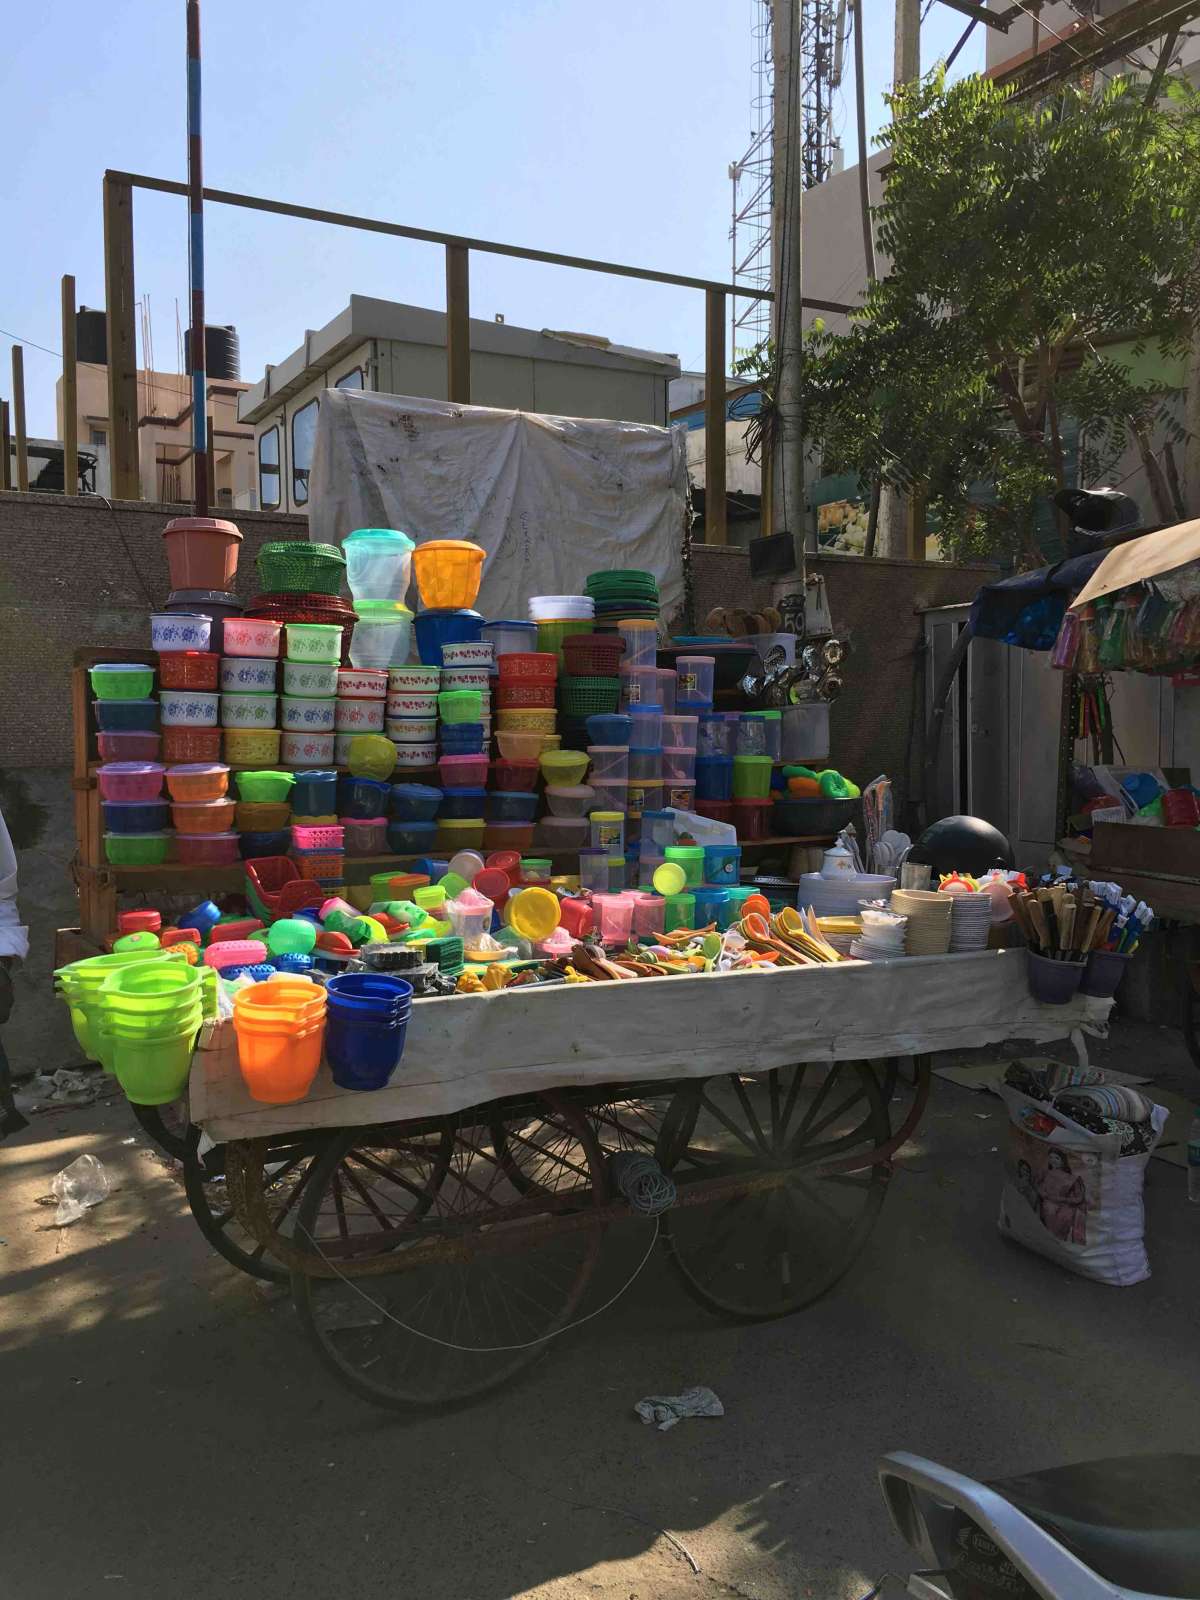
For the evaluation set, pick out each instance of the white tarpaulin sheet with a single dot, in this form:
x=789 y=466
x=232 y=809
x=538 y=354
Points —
x=464 y=1050
x=550 y=499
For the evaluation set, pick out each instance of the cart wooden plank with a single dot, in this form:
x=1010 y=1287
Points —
x=463 y=1051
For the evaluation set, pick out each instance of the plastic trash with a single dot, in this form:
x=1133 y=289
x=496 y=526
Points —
x=79 y=1187
x=665 y=1410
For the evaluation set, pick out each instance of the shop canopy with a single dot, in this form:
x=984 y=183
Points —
x=1150 y=556
x=1027 y=609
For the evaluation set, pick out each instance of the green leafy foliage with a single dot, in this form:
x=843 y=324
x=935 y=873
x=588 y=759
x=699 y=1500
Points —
x=1020 y=238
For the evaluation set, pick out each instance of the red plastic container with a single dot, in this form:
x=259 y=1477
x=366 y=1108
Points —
x=518 y=777
x=202 y=816
x=715 y=810
x=463 y=772
x=1180 y=809
x=493 y=883
x=206 y=849
x=202 y=552
x=593 y=655
x=136 y=781
x=321 y=864
x=170 y=936
x=576 y=916
x=528 y=666
x=522 y=696
x=191 y=744
x=508 y=862
x=508 y=836
x=242 y=929
x=751 y=818
x=129 y=746
x=139 y=922
x=365 y=836
x=188 y=669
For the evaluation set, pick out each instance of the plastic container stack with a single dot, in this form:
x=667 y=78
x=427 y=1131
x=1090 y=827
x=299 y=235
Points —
x=448 y=574
x=558 y=617
x=128 y=741
x=411 y=717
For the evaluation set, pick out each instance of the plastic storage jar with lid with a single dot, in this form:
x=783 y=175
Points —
x=644 y=795
x=751 y=737
x=679 y=911
x=562 y=835
x=714 y=777
x=378 y=563
x=460 y=833
x=722 y=863
x=593 y=870
x=712 y=903
x=313 y=641
x=646 y=731
x=649 y=912
x=382 y=635
x=751 y=777
x=639 y=686
x=448 y=572
x=645 y=764
x=614 y=917
x=641 y=642
x=772 y=722
x=752 y=818
x=680 y=793
x=610 y=795
x=668 y=684
x=189 y=669
x=716 y=734
x=694 y=674
x=608 y=831
x=715 y=810
x=678 y=763
x=658 y=830
x=509 y=636
x=691 y=858
x=680 y=730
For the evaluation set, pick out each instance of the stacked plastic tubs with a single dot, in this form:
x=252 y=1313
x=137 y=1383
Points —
x=303 y=581
x=411 y=717
x=558 y=617
x=378 y=567
x=590 y=685
x=448 y=573
x=526 y=726
x=127 y=722
x=609 y=758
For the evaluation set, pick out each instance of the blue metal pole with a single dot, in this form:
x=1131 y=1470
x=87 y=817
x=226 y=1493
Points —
x=196 y=264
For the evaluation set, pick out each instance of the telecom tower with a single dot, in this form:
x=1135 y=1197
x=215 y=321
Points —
x=822 y=36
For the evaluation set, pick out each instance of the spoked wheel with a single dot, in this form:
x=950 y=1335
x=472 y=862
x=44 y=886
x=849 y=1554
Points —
x=768 y=1251
x=544 y=1156
x=490 y=1274
x=285 y=1176
x=167 y=1125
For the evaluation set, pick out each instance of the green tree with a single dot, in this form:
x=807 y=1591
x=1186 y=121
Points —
x=1020 y=238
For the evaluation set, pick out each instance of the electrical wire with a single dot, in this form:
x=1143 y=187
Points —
x=486 y=1349
x=45 y=348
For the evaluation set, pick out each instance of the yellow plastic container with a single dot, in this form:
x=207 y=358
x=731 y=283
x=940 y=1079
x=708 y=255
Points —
x=563 y=767
x=532 y=913
x=448 y=572
x=251 y=747
x=527 y=721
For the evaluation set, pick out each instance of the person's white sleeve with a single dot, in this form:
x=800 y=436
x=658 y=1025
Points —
x=14 y=936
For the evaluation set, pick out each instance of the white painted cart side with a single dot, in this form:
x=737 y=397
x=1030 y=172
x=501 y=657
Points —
x=462 y=1051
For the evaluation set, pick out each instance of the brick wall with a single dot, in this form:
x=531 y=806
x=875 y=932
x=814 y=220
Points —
x=78 y=571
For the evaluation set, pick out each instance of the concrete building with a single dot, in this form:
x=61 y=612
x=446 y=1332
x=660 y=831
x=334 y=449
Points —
x=381 y=346
x=165 y=434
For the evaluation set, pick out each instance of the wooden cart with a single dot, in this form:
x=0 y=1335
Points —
x=442 y=1232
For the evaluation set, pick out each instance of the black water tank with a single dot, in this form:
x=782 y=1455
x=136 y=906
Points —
x=222 y=352
x=91 y=336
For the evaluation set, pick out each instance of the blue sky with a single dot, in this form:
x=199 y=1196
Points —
x=603 y=131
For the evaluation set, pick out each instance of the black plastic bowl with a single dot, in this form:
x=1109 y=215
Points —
x=797 y=815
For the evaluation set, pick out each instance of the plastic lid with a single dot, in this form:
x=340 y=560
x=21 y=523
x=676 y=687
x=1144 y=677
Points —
x=669 y=878
x=511 y=622
x=754 y=760
x=452 y=885
x=378 y=536
x=534 y=913
x=647 y=709
x=765 y=716
x=607 y=816
x=128 y=666
x=471 y=793
x=465 y=864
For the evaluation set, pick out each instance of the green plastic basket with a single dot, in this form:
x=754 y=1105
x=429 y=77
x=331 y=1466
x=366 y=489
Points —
x=588 y=697
x=293 y=566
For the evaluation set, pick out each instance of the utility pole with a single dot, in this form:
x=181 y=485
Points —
x=908 y=42
x=787 y=276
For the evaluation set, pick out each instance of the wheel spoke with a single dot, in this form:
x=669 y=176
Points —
x=739 y=1088
x=728 y=1124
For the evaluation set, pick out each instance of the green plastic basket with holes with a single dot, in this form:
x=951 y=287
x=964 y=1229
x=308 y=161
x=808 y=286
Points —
x=293 y=566
x=588 y=697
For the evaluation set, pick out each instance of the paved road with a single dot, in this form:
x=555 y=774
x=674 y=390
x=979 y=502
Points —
x=169 y=1430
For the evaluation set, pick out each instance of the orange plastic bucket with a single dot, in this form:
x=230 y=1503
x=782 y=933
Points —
x=278 y=1063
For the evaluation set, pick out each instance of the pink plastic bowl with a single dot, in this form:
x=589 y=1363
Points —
x=130 y=780
x=206 y=850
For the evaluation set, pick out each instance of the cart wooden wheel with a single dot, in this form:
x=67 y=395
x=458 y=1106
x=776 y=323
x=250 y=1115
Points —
x=546 y=1159
x=167 y=1125
x=284 y=1179
x=482 y=1276
x=768 y=1251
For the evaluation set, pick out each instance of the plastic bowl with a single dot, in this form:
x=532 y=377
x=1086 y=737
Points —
x=130 y=780
x=463 y=771
x=414 y=679
x=468 y=653
x=517 y=695
x=203 y=816
x=448 y=572
x=820 y=817
x=127 y=716
x=511 y=805
x=361 y=798
x=412 y=758
x=135 y=747
x=412 y=730
x=516 y=745
x=189 y=669
x=137 y=849
x=122 y=680
x=248 y=710
x=198 y=780
x=251 y=636
x=460 y=833
x=179 y=630
x=411 y=838
x=358 y=716
x=436 y=628
x=413 y=703
x=457 y=706
x=528 y=666
x=563 y=767
x=188 y=708
x=262 y=788
x=462 y=802
x=305 y=749
x=135 y=816
x=247 y=675
x=609 y=730
x=245 y=747
x=563 y=834
x=526 y=721
x=206 y=849
x=467 y=678
x=413 y=802
x=262 y=816
x=508 y=838
x=362 y=683
x=570 y=800
x=310 y=680
x=252 y=843
x=314 y=641
x=510 y=776
x=309 y=716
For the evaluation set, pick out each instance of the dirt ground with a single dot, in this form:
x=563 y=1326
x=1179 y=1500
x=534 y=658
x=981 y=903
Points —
x=169 y=1429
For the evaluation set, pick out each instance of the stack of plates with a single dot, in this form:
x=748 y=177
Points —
x=839 y=897
x=970 y=921
x=928 y=913
x=882 y=936
x=624 y=593
x=840 y=932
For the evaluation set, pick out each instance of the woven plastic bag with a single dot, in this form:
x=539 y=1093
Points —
x=1071 y=1196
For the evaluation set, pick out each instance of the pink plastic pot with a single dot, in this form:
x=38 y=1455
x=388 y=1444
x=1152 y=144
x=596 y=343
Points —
x=463 y=772
x=206 y=849
x=202 y=552
x=130 y=780
x=616 y=917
